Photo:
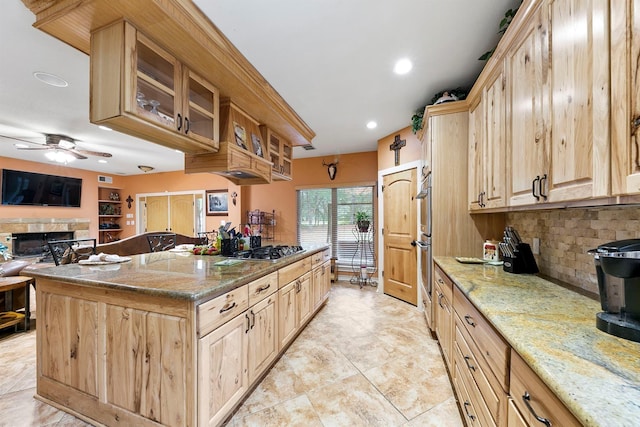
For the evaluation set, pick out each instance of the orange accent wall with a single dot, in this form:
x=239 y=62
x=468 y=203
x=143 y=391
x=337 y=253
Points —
x=409 y=153
x=353 y=169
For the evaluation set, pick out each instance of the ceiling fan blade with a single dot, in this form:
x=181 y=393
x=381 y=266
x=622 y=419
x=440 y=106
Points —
x=34 y=148
x=93 y=153
x=15 y=138
x=74 y=153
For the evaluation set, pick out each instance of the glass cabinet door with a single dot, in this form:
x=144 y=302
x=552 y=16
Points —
x=201 y=106
x=274 y=152
x=155 y=95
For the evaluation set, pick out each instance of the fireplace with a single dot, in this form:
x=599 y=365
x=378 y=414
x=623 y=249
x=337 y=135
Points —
x=27 y=237
x=35 y=244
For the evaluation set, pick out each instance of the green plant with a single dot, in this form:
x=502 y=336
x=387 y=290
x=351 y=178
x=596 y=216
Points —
x=504 y=24
x=416 y=120
x=362 y=216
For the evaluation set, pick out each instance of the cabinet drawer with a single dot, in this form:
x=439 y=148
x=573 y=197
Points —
x=492 y=346
x=442 y=280
x=461 y=368
x=476 y=367
x=293 y=271
x=525 y=382
x=468 y=410
x=262 y=288
x=320 y=257
x=219 y=310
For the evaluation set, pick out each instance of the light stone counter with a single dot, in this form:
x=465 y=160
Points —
x=596 y=375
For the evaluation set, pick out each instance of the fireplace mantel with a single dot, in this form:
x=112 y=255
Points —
x=9 y=226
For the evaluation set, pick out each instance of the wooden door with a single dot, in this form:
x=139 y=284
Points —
x=182 y=214
x=145 y=366
x=317 y=282
x=305 y=296
x=528 y=73
x=579 y=100
x=625 y=90
x=287 y=314
x=476 y=161
x=495 y=145
x=400 y=225
x=157 y=208
x=263 y=335
x=222 y=370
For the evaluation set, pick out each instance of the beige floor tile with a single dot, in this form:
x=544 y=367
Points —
x=445 y=414
x=294 y=412
x=353 y=401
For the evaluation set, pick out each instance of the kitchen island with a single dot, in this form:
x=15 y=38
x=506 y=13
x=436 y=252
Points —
x=169 y=338
x=595 y=375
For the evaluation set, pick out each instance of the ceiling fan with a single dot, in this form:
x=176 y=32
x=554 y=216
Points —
x=60 y=143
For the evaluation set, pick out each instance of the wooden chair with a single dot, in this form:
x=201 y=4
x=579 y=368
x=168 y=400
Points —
x=71 y=251
x=161 y=241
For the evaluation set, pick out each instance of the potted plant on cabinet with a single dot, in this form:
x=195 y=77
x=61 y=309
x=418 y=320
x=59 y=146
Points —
x=362 y=221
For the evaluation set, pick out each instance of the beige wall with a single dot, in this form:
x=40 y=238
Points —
x=566 y=235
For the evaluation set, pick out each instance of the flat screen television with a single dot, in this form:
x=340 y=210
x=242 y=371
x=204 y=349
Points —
x=36 y=189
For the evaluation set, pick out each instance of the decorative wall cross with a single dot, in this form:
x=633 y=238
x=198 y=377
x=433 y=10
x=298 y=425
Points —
x=397 y=146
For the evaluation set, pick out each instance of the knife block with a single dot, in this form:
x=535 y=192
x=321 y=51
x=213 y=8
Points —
x=522 y=262
x=228 y=247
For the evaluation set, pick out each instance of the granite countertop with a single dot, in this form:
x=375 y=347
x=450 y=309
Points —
x=179 y=275
x=596 y=375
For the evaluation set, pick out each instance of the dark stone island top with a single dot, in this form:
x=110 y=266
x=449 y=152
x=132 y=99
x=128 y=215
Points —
x=174 y=274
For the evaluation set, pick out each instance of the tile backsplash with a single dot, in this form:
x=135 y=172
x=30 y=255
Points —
x=567 y=234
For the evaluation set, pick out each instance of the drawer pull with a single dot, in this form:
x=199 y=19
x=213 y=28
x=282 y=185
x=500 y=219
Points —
x=469 y=365
x=466 y=410
x=263 y=288
x=469 y=320
x=227 y=307
x=526 y=398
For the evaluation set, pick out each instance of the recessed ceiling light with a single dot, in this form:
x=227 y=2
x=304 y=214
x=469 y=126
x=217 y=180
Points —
x=50 y=79
x=102 y=161
x=372 y=125
x=403 y=66
x=104 y=128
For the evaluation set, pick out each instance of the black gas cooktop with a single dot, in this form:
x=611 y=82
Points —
x=269 y=252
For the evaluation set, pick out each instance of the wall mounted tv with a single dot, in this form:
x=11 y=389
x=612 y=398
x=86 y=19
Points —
x=36 y=189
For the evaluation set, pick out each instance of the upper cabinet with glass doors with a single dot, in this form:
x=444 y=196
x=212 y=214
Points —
x=139 y=88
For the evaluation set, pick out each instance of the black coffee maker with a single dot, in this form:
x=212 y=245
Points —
x=618 y=270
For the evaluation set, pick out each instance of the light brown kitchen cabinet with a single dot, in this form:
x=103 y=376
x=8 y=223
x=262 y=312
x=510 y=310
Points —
x=558 y=90
x=287 y=313
x=173 y=213
x=426 y=140
x=139 y=88
x=304 y=294
x=242 y=156
x=280 y=154
x=321 y=280
x=223 y=376
x=533 y=400
x=514 y=419
x=263 y=335
x=487 y=146
x=625 y=90
x=443 y=312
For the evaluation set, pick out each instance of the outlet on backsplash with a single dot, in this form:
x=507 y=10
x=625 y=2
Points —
x=535 y=247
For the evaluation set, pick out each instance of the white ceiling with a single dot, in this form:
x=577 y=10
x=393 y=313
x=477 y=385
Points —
x=331 y=60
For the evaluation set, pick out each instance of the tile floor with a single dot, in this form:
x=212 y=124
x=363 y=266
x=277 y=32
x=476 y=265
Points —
x=366 y=359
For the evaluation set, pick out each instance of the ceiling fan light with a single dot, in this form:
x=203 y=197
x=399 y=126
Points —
x=59 y=156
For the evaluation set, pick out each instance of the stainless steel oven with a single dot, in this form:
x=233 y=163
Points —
x=424 y=243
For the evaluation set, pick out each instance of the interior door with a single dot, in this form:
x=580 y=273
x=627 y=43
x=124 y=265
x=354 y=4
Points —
x=157 y=208
x=400 y=225
x=182 y=214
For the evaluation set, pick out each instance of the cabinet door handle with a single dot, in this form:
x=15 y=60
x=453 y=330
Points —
x=440 y=300
x=526 y=398
x=469 y=365
x=469 y=320
x=227 y=307
x=187 y=126
x=635 y=124
x=541 y=186
x=179 y=121
x=466 y=410
x=253 y=319
x=263 y=288
x=533 y=187
x=246 y=316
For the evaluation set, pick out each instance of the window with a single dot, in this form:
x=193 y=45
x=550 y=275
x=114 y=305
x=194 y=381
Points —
x=327 y=215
